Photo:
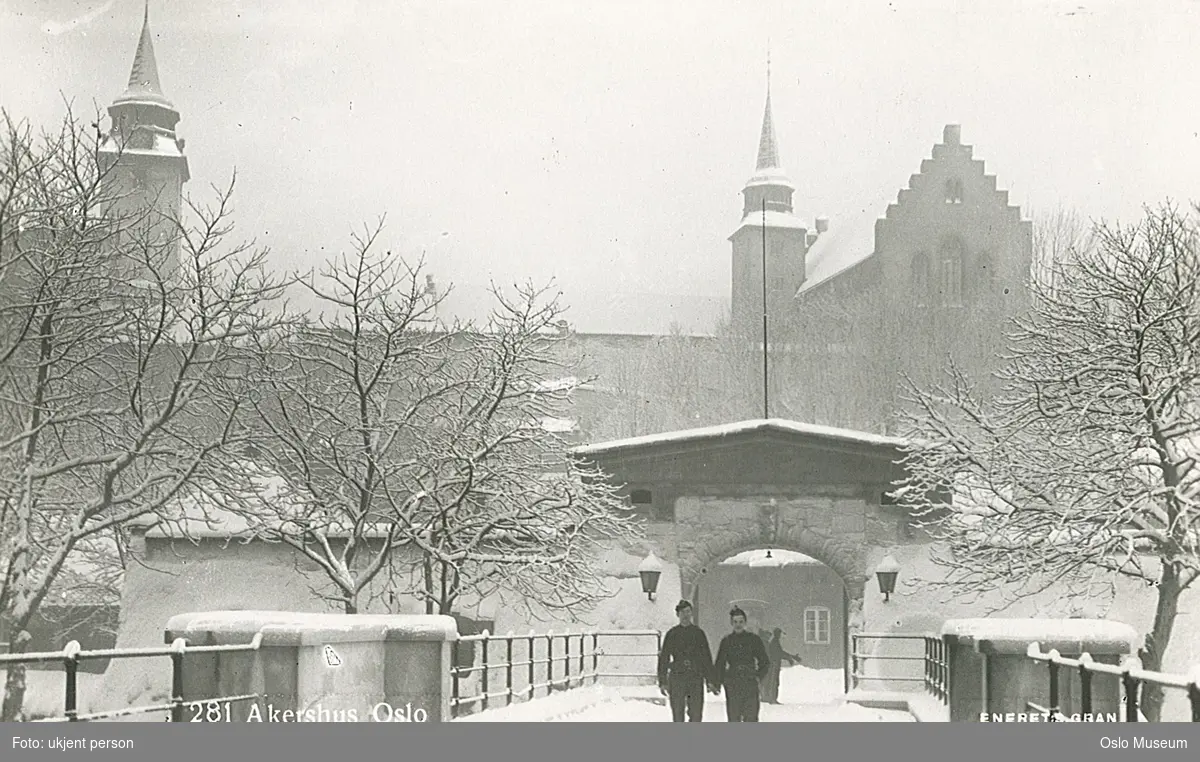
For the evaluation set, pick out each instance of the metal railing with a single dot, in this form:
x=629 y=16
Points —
x=567 y=660
x=937 y=668
x=936 y=672
x=176 y=708
x=1132 y=681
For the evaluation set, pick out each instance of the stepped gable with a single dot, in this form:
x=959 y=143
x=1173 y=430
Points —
x=855 y=240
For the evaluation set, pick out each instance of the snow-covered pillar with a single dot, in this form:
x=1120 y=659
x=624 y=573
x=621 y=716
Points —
x=320 y=667
x=420 y=655
x=993 y=678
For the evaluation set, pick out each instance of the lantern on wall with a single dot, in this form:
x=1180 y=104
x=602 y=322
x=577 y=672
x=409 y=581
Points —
x=650 y=570
x=886 y=573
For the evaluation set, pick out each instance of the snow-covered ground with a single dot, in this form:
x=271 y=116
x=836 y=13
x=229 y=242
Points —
x=805 y=695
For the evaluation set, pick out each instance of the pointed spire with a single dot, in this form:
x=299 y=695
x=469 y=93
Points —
x=768 y=146
x=143 y=76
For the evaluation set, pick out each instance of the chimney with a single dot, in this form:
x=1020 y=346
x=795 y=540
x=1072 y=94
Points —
x=952 y=135
x=430 y=287
x=822 y=225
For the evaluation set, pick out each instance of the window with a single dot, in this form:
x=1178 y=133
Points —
x=647 y=508
x=816 y=625
x=950 y=271
x=954 y=191
x=952 y=280
x=920 y=277
x=642 y=501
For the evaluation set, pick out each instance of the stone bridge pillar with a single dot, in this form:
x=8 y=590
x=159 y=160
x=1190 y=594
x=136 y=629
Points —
x=991 y=678
x=320 y=667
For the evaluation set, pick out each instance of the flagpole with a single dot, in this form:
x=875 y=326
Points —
x=766 y=390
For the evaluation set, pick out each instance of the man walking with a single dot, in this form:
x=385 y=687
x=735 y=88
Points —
x=684 y=666
x=741 y=663
x=775 y=652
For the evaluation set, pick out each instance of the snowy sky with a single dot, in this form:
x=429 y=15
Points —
x=605 y=143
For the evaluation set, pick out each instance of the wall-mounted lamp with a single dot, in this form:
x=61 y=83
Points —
x=650 y=570
x=886 y=573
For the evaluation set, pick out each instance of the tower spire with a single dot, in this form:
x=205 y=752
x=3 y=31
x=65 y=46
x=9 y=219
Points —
x=770 y=182
x=768 y=146
x=144 y=84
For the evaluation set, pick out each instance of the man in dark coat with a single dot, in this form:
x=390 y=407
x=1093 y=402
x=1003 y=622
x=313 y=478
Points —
x=775 y=652
x=741 y=663
x=684 y=666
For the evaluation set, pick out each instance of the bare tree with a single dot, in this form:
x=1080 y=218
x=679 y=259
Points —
x=504 y=509
x=1082 y=469
x=108 y=406
x=412 y=457
x=340 y=400
x=1057 y=234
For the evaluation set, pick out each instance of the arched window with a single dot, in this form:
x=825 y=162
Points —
x=920 y=277
x=950 y=271
x=954 y=191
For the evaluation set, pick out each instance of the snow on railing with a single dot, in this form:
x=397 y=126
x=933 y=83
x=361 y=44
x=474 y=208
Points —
x=1132 y=680
x=213 y=709
x=936 y=672
x=567 y=660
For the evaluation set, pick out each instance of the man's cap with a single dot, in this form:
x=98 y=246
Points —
x=683 y=604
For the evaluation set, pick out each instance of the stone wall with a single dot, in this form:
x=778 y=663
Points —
x=831 y=526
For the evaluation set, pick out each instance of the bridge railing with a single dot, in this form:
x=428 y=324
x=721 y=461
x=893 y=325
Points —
x=1131 y=679
x=505 y=669
x=176 y=710
x=928 y=651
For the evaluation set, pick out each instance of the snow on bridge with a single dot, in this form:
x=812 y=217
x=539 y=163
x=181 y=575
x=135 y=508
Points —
x=805 y=695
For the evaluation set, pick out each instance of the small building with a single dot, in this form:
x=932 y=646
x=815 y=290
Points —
x=711 y=493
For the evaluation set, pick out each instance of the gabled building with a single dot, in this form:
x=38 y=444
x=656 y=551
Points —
x=856 y=305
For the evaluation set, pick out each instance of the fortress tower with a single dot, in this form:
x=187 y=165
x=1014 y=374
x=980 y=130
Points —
x=144 y=156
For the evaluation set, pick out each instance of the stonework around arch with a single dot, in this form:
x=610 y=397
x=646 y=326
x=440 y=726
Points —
x=831 y=530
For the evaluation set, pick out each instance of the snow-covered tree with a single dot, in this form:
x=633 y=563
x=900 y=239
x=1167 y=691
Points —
x=338 y=401
x=414 y=454
x=113 y=340
x=1083 y=468
x=505 y=510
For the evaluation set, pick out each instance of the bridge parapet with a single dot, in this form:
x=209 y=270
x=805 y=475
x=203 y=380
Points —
x=323 y=667
x=992 y=676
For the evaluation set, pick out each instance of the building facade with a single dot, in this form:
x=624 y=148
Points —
x=860 y=308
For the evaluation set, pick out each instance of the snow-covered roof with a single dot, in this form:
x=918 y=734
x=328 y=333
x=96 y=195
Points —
x=558 y=384
x=772 y=176
x=163 y=146
x=848 y=242
x=1041 y=630
x=266 y=507
x=774 y=219
x=559 y=425
x=744 y=427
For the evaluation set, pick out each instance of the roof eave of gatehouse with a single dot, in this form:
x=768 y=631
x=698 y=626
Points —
x=806 y=433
